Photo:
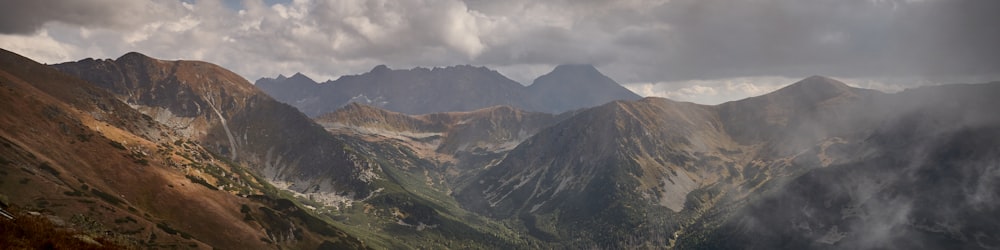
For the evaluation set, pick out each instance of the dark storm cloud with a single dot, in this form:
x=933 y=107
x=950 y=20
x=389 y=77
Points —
x=671 y=43
x=658 y=41
x=712 y=39
x=24 y=17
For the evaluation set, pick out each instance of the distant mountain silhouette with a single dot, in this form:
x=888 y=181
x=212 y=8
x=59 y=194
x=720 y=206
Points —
x=457 y=88
x=575 y=86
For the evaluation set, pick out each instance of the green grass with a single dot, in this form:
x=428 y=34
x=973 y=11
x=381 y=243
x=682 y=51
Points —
x=408 y=191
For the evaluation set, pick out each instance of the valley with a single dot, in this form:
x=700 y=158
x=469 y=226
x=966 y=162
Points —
x=152 y=153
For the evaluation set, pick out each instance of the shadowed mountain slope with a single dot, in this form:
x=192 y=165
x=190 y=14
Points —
x=926 y=178
x=816 y=164
x=87 y=161
x=342 y=178
x=225 y=112
x=630 y=173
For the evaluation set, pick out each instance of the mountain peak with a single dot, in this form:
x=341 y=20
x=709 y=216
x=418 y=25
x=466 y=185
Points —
x=134 y=56
x=821 y=80
x=817 y=87
x=571 y=86
x=576 y=69
x=301 y=77
x=575 y=74
x=380 y=68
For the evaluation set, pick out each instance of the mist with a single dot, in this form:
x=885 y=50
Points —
x=923 y=175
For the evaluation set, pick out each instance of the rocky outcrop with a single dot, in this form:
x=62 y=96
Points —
x=223 y=111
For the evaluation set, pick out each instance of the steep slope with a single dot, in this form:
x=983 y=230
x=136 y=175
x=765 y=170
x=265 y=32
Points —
x=78 y=155
x=817 y=164
x=928 y=180
x=450 y=89
x=371 y=190
x=491 y=129
x=459 y=143
x=575 y=86
x=414 y=91
x=221 y=110
x=641 y=170
x=798 y=115
x=378 y=121
x=375 y=191
x=606 y=168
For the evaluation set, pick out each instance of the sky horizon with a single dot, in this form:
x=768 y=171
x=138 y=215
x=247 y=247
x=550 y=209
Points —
x=703 y=51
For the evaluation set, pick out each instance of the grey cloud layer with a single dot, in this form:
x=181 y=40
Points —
x=23 y=17
x=632 y=41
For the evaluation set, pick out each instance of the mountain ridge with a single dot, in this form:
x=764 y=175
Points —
x=104 y=169
x=820 y=163
x=216 y=107
x=419 y=90
x=339 y=175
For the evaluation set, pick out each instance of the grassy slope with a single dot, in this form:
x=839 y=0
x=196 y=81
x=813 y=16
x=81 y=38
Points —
x=72 y=151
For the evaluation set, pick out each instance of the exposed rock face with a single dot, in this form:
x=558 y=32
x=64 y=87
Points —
x=605 y=167
x=462 y=143
x=220 y=109
x=817 y=164
x=451 y=89
x=76 y=153
x=659 y=167
x=639 y=169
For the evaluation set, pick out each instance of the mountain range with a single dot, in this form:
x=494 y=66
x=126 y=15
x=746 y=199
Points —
x=151 y=153
x=449 y=89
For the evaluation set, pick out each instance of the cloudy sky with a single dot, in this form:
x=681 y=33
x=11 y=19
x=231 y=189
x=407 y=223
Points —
x=706 y=51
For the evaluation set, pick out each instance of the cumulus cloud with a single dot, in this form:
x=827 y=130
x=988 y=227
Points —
x=39 y=46
x=672 y=43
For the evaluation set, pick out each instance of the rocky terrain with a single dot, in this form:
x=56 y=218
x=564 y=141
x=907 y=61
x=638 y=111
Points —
x=131 y=146
x=364 y=187
x=221 y=110
x=76 y=154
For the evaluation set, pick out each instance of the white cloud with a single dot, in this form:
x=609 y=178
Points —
x=40 y=47
x=711 y=92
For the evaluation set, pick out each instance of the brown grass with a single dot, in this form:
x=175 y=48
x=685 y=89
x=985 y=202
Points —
x=35 y=232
